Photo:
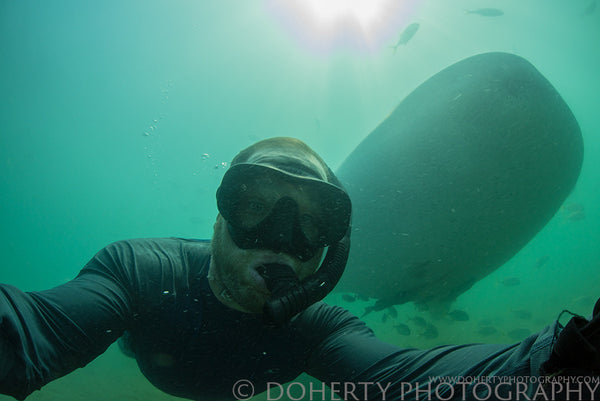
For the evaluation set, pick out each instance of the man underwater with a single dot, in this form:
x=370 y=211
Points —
x=201 y=315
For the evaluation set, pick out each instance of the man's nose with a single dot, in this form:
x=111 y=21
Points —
x=285 y=223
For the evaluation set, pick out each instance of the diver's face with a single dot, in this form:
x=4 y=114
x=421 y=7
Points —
x=233 y=272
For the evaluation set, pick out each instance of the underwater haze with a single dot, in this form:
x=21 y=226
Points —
x=119 y=118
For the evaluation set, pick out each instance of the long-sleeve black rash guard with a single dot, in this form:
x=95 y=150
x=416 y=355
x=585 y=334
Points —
x=155 y=291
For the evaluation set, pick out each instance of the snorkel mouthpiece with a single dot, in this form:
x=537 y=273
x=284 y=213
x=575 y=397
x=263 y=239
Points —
x=280 y=278
x=288 y=297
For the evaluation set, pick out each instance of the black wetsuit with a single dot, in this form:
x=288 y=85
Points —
x=190 y=345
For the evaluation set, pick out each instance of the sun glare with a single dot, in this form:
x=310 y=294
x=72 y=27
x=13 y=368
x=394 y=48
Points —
x=324 y=25
x=365 y=12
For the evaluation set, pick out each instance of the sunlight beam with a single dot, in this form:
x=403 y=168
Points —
x=325 y=25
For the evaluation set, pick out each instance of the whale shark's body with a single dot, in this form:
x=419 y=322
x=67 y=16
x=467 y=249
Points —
x=457 y=179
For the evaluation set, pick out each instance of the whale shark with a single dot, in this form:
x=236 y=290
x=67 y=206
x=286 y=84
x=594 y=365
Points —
x=456 y=180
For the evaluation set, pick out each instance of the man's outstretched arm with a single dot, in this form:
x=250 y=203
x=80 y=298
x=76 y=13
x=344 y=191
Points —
x=45 y=335
x=353 y=359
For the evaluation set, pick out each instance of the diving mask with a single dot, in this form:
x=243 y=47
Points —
x=266 y=208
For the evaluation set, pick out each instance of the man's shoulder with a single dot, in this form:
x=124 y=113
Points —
x=162 y=241
x=149 y=266
x=166 y=245
x=148 y=255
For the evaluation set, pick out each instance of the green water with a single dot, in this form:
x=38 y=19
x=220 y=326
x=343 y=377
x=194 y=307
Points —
x=118 y=117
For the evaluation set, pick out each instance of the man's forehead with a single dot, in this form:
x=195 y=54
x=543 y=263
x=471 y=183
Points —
x=288 y=155
x=304 y=167
x=281 y=182
x=300 y=164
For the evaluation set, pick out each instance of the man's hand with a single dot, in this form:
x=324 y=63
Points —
x=577 y=348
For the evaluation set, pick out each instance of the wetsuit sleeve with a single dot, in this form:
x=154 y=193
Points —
x=50 y=333
x=47 y=334
x=350 y=355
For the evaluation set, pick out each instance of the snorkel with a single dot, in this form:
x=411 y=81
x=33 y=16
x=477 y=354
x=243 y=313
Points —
x=282 y=227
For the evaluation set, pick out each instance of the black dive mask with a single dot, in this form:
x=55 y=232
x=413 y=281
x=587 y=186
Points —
x=280 y=231
x=259 y=216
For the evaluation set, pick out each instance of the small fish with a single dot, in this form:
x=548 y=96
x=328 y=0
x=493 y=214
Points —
x=458 y=315
x=511 y=282
x=574 y=211
x=377 y=306
x=384 y=317
x=485 y=322
x=430 y=332
x=368 y=310
x=406 y=35
x=380 y=304
x=576 y=216
x=402 y=329
x=519 y=334
x=487 y=331
x=419 y=321
x=349 y=298
x=486 y=12
x=573 y=207
x=392 y=312
x=522 y=314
